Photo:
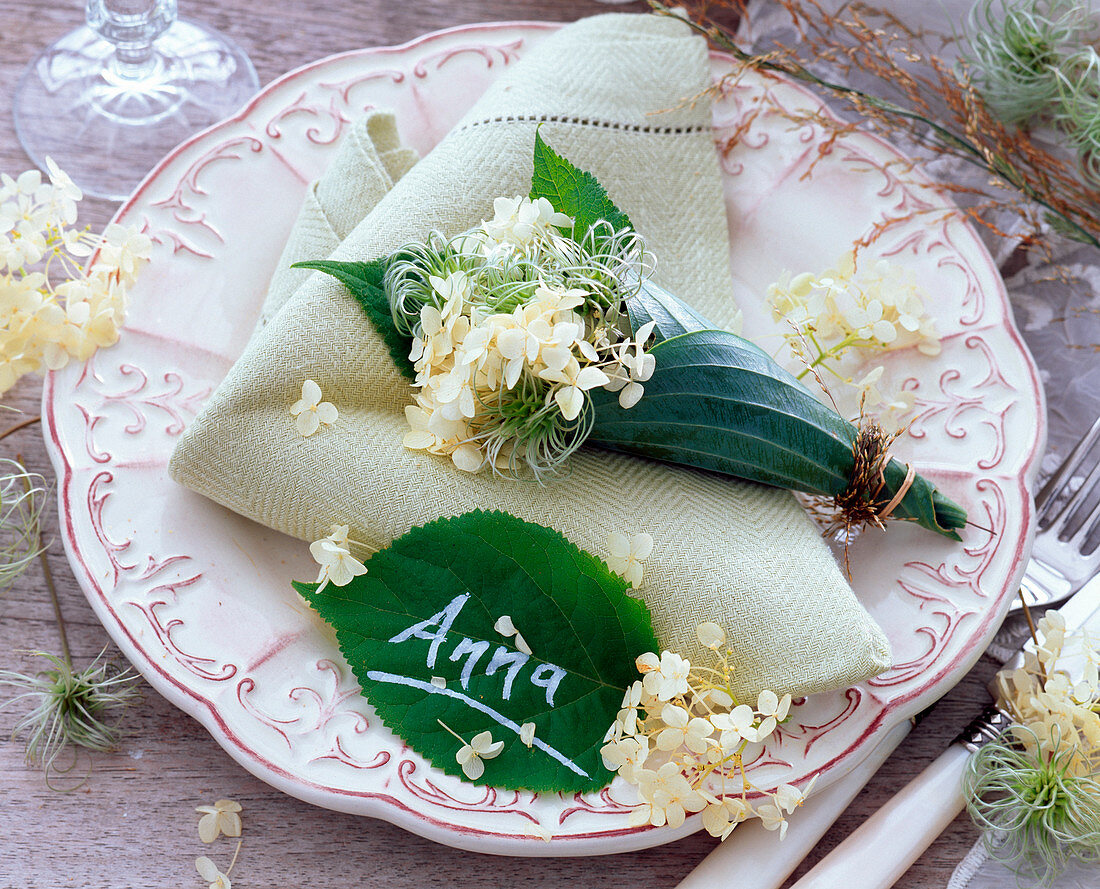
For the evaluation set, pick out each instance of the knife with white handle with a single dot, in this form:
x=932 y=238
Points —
x=754 y=857
x=880 y=850
x=877 y=853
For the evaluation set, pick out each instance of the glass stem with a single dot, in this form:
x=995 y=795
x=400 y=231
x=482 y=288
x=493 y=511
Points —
x=132 y=26
x=133 y=62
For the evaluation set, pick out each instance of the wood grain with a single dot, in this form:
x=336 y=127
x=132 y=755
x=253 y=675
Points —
x=132 y=824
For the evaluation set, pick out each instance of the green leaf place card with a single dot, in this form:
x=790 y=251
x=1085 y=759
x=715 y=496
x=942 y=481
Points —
x=487 y=623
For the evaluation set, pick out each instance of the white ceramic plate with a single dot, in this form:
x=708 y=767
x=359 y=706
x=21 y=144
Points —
x=199 y=598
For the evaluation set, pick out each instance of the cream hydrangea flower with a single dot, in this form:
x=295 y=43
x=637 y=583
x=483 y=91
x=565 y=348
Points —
x=1055 y=697
x=664 y=678
x=683 y=729
x=209 y=872
x=772 y=817
x=785 y=800
x=626 y=555
x=842 y=315
x=222 y=817
x=768 y=703
x=742 y=724
x=471 y=756
x=635 y=367
x=788 y=797
x=721 y=816
x=625 y=755
x=310 y=412
x=332 y=553
x=507 y=347
x=666 y=796
x=680 y=737
x=575 y=380
x=46 y=320
x=520 y=220
x=65 y=192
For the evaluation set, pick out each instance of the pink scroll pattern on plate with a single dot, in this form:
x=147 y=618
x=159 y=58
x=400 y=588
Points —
x=175 y=221
x=324 y=707
x=169 y=396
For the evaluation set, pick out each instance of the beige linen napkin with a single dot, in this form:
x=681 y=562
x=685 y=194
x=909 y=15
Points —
x=740 y=554
x=369 y=160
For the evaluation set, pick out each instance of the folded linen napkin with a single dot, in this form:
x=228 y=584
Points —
x=740 y=554
x=369 y=160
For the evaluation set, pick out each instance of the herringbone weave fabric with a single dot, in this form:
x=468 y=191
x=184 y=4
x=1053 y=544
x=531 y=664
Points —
x=610 y=92
x=368 y=162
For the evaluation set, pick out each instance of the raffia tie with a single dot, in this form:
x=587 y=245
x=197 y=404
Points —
x=903 y=489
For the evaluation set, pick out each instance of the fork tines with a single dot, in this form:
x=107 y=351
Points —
x=1071 y=506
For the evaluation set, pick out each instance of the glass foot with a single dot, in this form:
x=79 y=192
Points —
x=107 y=124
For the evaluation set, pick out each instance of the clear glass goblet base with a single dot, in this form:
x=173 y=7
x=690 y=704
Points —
x=107 y=122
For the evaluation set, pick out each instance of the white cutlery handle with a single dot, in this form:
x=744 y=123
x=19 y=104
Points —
x=754 y=858
x=877 y=853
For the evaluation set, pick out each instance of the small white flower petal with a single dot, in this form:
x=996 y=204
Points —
x=311 y=392
x=527 y=733
x=473 y=768
x=492 y=750
x=307 y=423
x=630 y=395
x=618 y=545
x=206 y=868
x=230 y=824
x=468 y=458
x=767 y=703
x=591 y=377
x=570 y=400
x=641 y=546
x=710 y=635
x=208 y=827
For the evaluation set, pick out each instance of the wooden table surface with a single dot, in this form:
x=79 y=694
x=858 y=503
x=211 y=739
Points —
x=132 y=824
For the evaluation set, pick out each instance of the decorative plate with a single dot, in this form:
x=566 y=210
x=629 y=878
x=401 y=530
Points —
x=221 y=634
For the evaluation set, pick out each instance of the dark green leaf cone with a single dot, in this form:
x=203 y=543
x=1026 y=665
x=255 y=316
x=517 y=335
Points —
x=718 y=402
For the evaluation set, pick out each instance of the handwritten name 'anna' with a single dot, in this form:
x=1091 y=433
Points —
x=436 y=630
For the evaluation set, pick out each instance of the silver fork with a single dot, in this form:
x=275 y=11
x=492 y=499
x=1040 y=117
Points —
x=1066 y=552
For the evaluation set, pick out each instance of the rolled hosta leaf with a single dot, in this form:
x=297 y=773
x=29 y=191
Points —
x=420 y=631
x=718 y=402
